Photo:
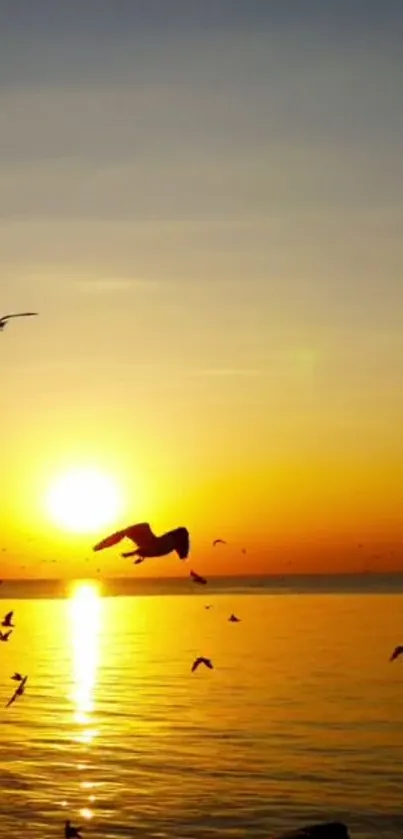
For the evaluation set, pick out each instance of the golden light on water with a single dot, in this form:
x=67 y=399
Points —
x=83 y=500
x=85 y=614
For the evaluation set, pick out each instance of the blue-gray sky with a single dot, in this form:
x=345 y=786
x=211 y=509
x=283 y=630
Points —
x=204 y=200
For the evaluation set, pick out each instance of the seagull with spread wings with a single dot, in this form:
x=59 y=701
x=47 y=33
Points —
x=200 y=660
x=18 y=692
x=197 y=578
x=5 y=318
x=148 y=543
x=4 y=636
x=219 y=542
x=7 y=620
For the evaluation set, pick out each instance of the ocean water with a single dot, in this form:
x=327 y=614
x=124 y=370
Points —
x=300 y=720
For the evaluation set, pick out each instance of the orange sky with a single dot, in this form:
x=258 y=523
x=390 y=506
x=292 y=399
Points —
x=209 y=222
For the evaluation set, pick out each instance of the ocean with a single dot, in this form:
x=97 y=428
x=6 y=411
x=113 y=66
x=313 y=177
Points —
x=301 y=719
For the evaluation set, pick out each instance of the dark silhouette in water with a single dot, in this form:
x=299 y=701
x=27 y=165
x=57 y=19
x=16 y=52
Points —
x=206 y=661
x=5 y=319
x=197 y=578
x=396 y=652
x=7 y=620
x=149 y=544
x=233 y=619
x=71 y=832
x=4 y=636
x=20 y=690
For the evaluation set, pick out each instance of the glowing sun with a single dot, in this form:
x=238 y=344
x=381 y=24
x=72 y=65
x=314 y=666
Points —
x=83 y=500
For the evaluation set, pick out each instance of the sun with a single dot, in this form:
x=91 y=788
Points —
x=83 y=500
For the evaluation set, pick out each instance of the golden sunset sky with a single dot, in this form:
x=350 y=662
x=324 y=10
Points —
x=203 y=201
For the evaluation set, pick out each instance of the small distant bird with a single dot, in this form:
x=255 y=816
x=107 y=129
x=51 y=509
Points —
x=396 y=652
x=197 y=578
x=148 y=543
x=71 y=832
x=7 y=620
x=5 y=319
x=17 y=677
x=208 y=606
x=233 y=618
x=244 y=550
x=4 y=636
x=218 y=542
x=206 y=661
x=20 y=690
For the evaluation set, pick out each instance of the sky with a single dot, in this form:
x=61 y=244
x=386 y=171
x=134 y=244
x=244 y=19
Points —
x=203 y=201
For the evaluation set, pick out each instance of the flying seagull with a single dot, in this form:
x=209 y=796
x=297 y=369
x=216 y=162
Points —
x=71 y=832
x=5 y=319
x=206 y=661
x=396 y=652
x=4 y=636
x=218 y=542
x=17 y=677
x=19 y=691
x=197 y=578
x=7 y=620
x=148 y=543
x=233 y=619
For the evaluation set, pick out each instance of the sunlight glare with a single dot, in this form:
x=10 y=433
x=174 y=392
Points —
x=85 y=611
x=83 y=500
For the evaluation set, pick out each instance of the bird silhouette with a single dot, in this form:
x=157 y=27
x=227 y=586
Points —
x=206 y=661
x=17 y=677
x=18 y=692
x=197 y=578
x=7 y=620
x=218 y=542
x=4 y=636
x=208 y=606
x=233 y=619
x=71 y=832
x=148 y=543
x=396 y=652
x=5 y=318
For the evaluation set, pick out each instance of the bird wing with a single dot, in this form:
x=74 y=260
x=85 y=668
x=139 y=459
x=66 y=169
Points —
x=196 y=664
x=6 y=635
x=17 y=677
x=14 y=696
x=396 y=652
x=181 y=541
x=141 y=534
x=8 y=617
x=111 y=540
x=18 y=315
x=219 y=542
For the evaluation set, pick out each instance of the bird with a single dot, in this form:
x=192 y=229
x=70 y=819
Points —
x=4 y=320
x=218 y=542
x=208 y=606
x=7 y=620
x=206 y=661
x=233 y=619
x=244 y=550
x=148 y=543
x=197 y=578
x=17 y=677
x=18 y=692
x=4 y=636
x=396 y=652
x=70 y=832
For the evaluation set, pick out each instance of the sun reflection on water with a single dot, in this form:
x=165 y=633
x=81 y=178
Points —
x=85 y=614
